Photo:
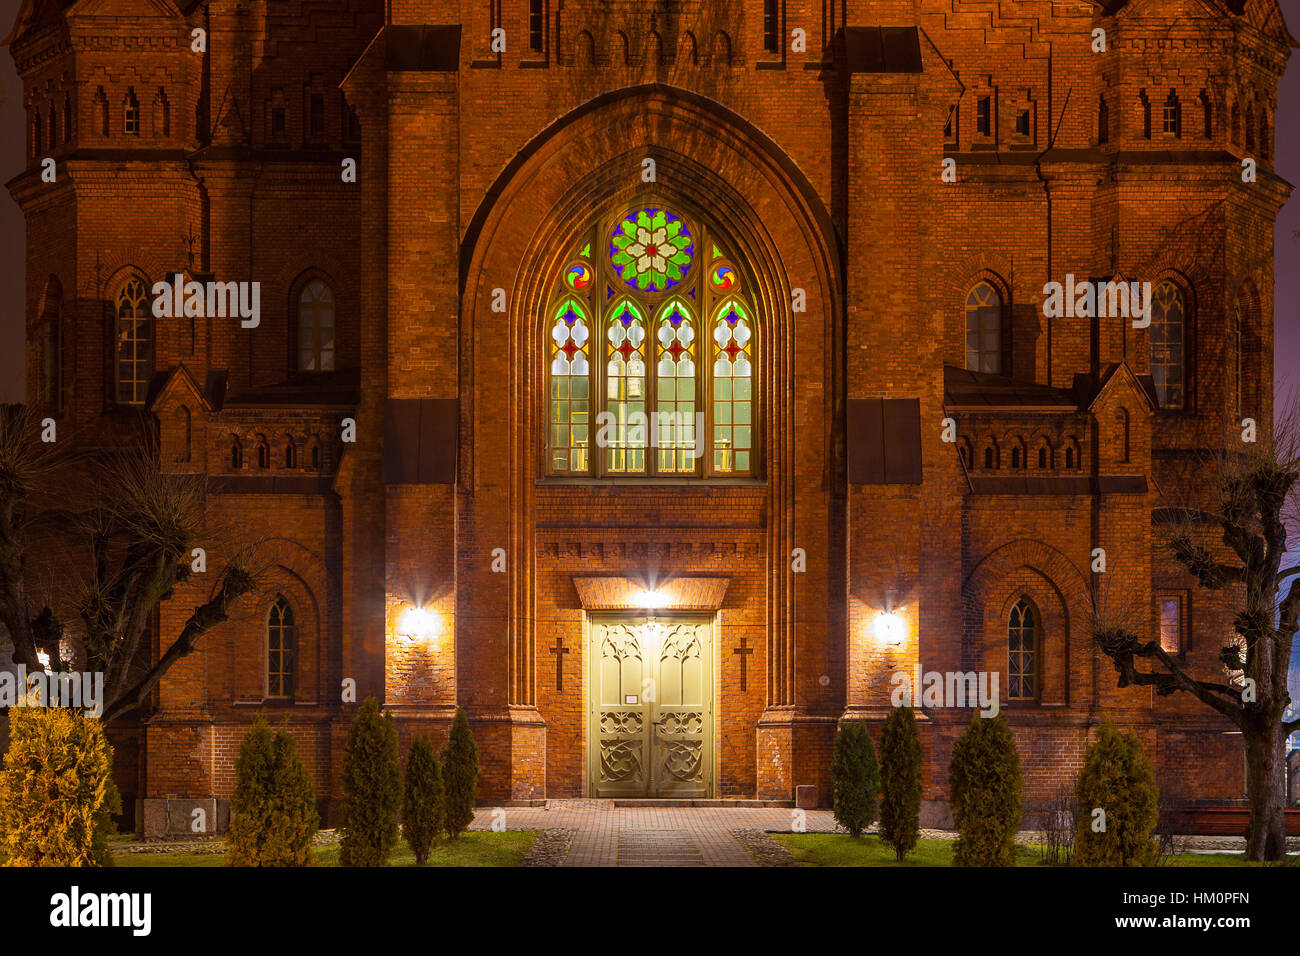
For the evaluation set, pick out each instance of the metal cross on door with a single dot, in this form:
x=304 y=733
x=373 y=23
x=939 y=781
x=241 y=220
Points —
x=651 y=705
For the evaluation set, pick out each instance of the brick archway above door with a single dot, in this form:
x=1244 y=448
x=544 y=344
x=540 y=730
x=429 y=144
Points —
x=616 y=593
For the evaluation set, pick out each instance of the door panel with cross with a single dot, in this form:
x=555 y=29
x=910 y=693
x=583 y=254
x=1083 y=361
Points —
x=651 y=707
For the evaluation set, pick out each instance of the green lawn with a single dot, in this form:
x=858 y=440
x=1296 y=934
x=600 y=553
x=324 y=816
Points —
x=477 y=848
x=840 y=849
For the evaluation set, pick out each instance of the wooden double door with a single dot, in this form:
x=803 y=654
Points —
x=650 y=703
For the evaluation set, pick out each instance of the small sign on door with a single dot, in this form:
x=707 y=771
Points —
x=631 y=699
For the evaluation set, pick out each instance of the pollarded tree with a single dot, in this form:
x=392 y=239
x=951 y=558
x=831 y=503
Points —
x=460 y=775
x=121 y=534
x=372 y=788
x=422 y=802
x=1116 y=802
x=985 y=784
x=900 y=782
x=1255 y=501
x=855 y=776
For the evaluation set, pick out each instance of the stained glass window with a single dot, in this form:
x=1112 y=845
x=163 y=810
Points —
x=675 y=399
x=1022 y=651
x=625 y=378
x=733 y=389
x=570 y=387
x=1167 y=342
x=652 y=354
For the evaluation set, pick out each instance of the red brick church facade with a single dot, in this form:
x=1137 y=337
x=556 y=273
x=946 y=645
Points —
x=737 y=210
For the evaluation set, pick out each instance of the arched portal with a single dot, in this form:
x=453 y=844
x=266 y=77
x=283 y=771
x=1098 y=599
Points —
x=641 y=150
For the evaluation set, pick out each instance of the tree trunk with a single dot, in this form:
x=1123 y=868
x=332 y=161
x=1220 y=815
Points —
x=1266 y=836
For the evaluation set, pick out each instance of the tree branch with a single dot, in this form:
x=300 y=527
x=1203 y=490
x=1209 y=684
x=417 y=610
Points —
x=235 y=583
x=1122 y=646
x=1199 y=562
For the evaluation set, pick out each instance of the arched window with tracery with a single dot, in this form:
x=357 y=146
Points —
x=316 y=328
x=134 y=353
x=651 y=353
x=1023 y=636
x=984 y=329
x=1168 y=344
x=281 y=642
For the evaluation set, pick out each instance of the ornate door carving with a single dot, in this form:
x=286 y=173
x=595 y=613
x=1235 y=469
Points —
x=651 y=707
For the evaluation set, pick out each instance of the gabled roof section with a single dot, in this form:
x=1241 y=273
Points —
x=178 y=383
x=1117 y=376
x=34 y=14
x=1175 y=10
x=983 y=391
x=1266 y=17
x=124 y=9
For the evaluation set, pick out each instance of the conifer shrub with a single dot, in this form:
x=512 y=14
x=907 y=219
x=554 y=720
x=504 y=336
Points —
x=459 y=775
x=985 y=784
x=1117 y=779
x=855 y=777
x=273 y=809
x=422 y=803
x=900 y=782
x=57 y=796
x=372 y=788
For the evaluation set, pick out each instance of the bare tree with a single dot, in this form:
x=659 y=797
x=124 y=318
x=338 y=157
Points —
x=1255 y=500
x=118 y=542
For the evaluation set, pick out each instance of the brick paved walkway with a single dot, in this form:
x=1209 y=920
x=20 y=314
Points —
x=658 y=836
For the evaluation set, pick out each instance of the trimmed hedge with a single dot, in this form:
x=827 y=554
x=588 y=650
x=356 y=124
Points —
x=985 y=783
x=273 y=809
x=900 y=782
x=1118 y=779
x=459 y=775
x=422 y=803
x=855 y=776
x=372 y=788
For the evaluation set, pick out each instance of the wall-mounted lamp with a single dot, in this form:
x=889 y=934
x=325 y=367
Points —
x=651 y=599
x=890 y=627
x=418 y=624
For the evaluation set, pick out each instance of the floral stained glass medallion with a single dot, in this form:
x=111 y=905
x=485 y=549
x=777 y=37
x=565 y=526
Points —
x=651 y=250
